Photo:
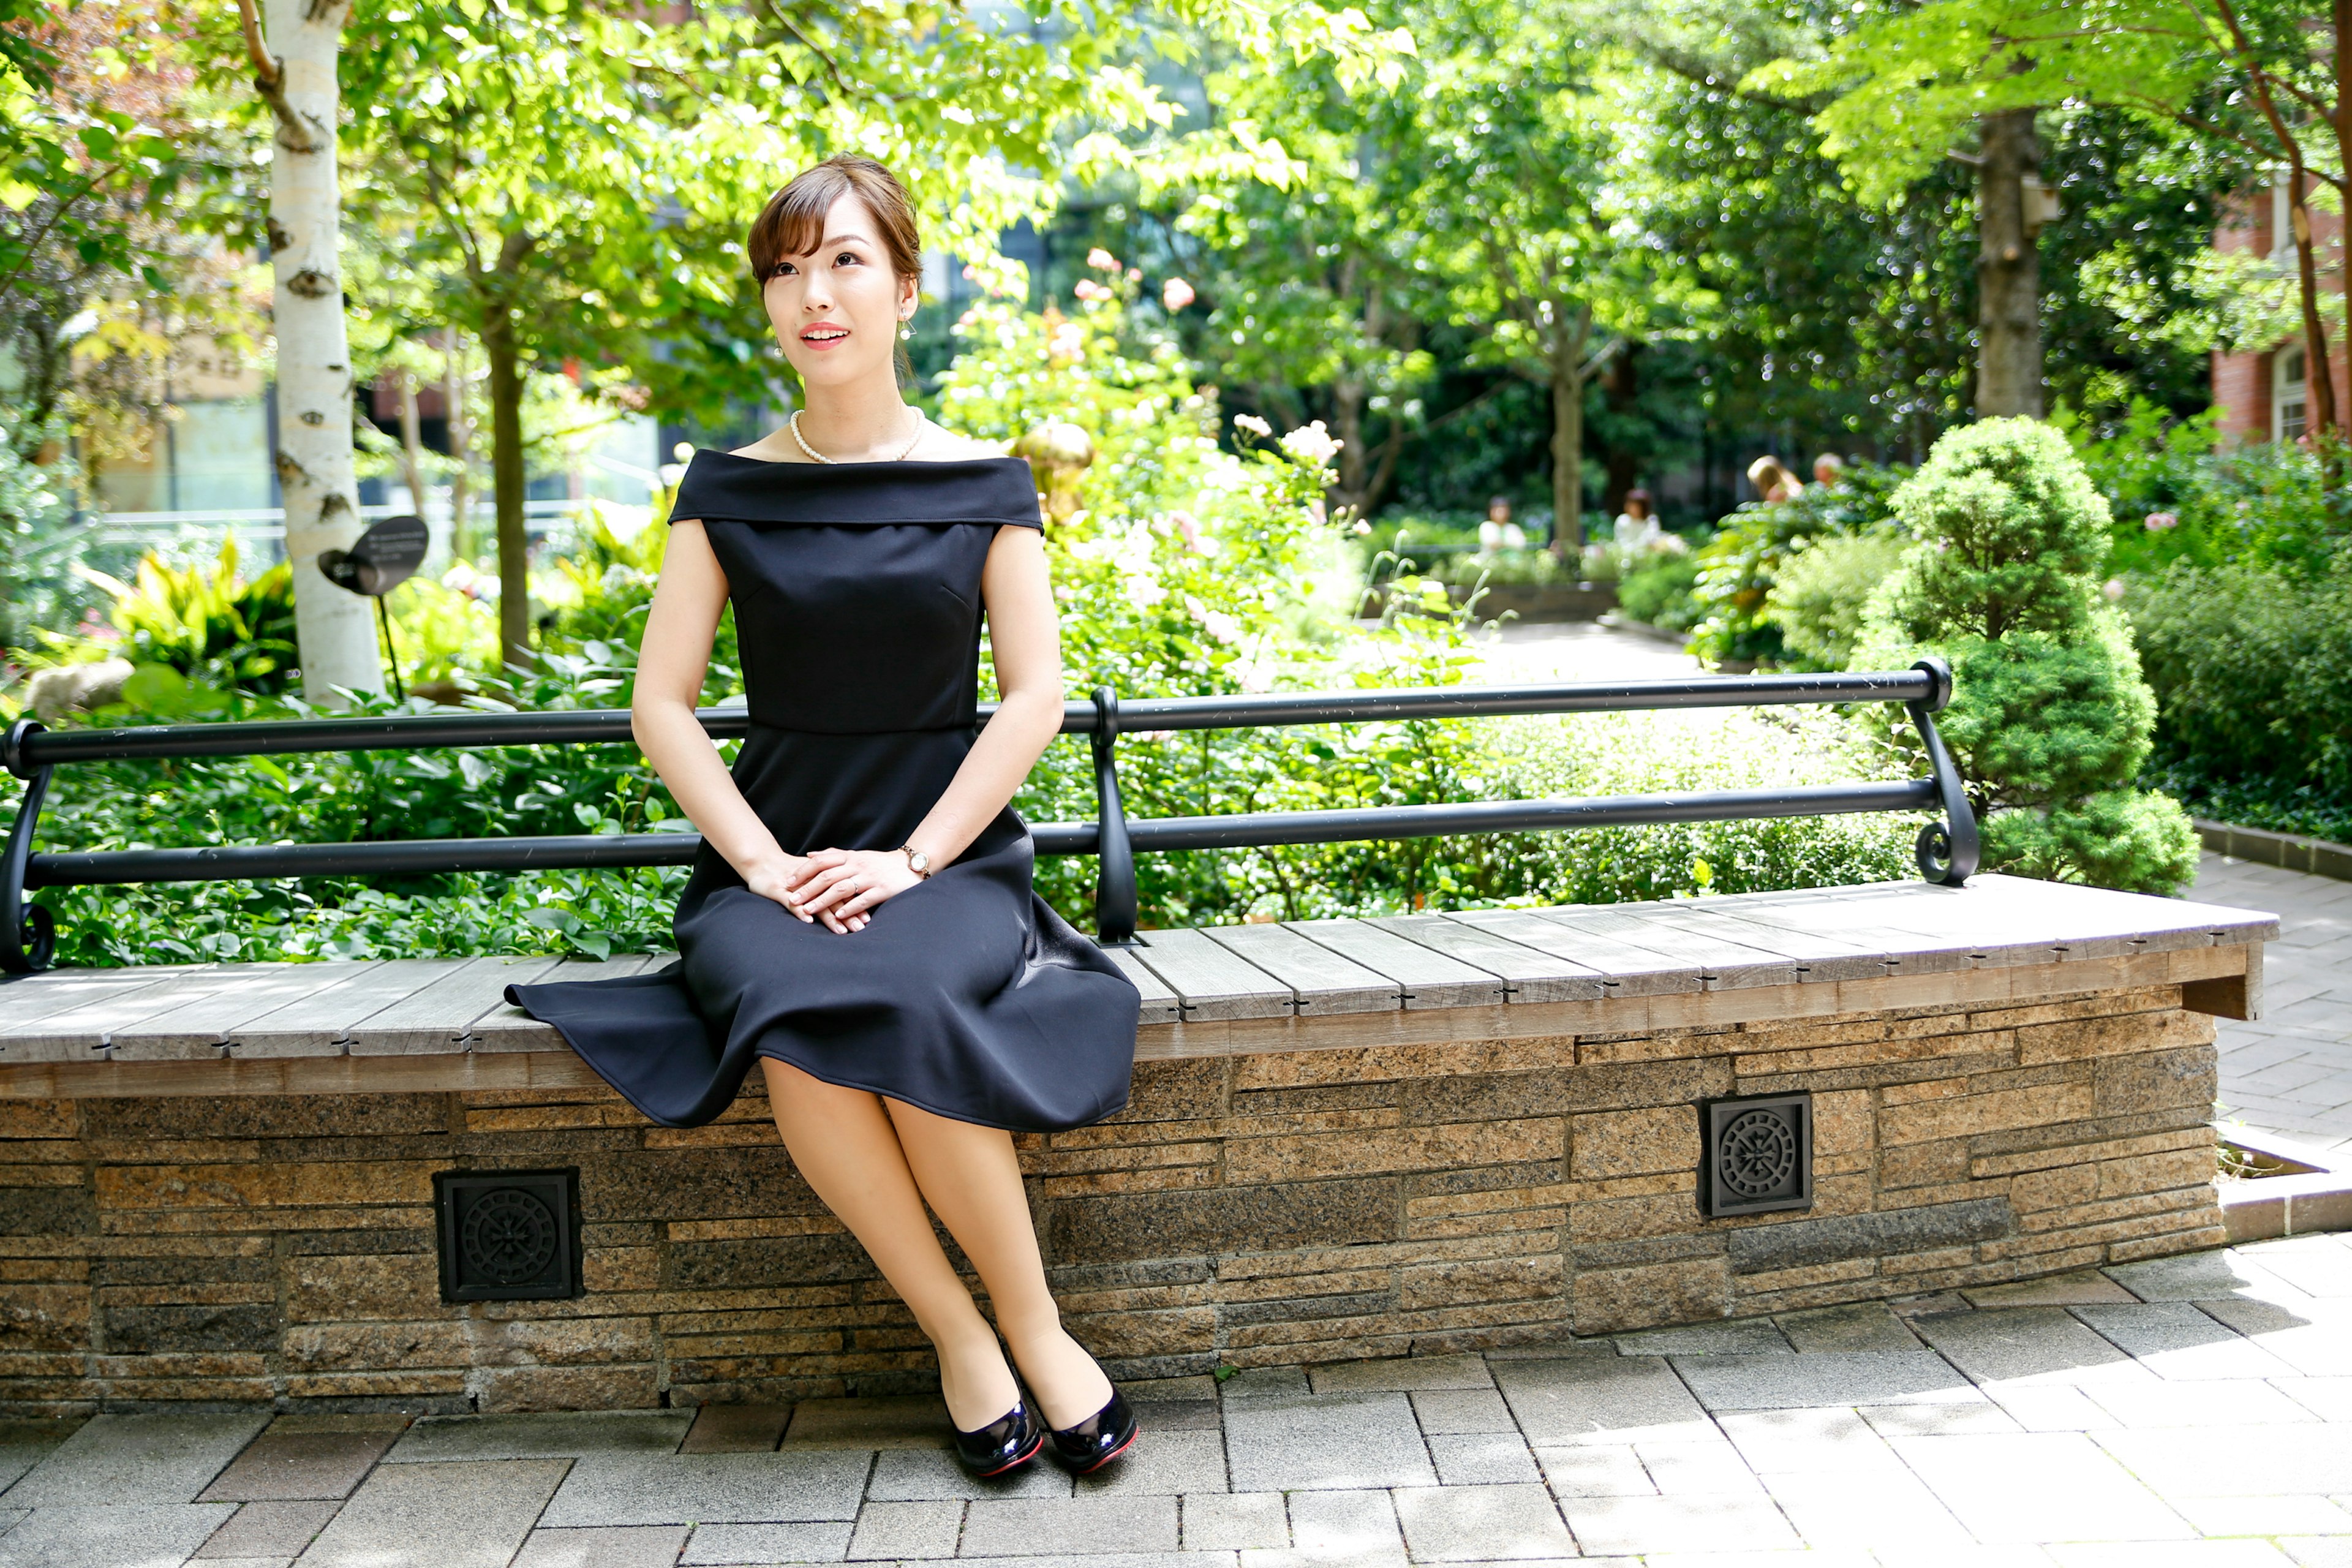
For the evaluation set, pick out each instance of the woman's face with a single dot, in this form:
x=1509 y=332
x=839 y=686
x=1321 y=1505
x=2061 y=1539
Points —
x=837 y=310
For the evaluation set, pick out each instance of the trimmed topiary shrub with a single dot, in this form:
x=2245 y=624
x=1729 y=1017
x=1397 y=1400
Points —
x=2049 y=720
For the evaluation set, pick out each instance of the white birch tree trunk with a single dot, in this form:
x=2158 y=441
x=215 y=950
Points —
x=335 y=628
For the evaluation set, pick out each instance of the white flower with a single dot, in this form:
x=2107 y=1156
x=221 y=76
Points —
x=1216 y=623
x=1087 y=289
x=1102 y=260
x=1190 y=527
x=1253 y=423
x=1143 y=592
x=1312 y=444
x=1069 y=341
x=1175 y=294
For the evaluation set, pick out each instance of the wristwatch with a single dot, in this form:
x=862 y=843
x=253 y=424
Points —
x=916 y=861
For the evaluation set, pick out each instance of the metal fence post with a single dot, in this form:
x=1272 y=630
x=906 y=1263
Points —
x=1115 y=894
x=28 y=937
x=1947 y=851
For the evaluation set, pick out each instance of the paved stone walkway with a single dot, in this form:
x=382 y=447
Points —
x=2291 y=1070
x=2192 y=1411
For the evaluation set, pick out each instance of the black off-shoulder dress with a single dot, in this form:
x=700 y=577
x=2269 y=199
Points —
x=857 y=609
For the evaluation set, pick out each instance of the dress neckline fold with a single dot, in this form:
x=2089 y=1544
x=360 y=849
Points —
x=720 y=487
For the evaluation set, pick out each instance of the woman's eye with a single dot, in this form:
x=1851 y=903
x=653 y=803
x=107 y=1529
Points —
x=847 y=257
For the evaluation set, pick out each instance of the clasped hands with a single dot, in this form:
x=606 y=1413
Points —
x=837 y=886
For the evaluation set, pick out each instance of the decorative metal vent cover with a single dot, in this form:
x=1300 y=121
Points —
x=1759 y=1153
x=508 y=1235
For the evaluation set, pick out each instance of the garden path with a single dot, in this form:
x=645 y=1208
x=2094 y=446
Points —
x=2290 y=1072
x=2192 y=1411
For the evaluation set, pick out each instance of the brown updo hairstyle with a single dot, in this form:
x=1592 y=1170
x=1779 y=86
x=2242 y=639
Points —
x=793 y=222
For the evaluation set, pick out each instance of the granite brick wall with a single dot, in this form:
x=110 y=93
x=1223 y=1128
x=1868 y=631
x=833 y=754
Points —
x=1245 y=1211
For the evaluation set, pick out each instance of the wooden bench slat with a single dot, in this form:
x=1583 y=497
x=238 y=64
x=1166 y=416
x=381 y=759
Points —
x=1211 y=982
x=1819 y=956
x=1322 y=981
x=433 y=1019
x=1728 y=965
x=197 y=1028
x=78 y=1033
x=1160 y=1006
x=505 y=1027
x=1424 y=976
x=315 y=1025
x=28 y=999
x=1528 y=976
x=1626 y=969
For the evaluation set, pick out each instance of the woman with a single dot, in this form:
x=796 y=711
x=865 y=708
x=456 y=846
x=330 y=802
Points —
x=1773 y=480
x=1637 y=528
x=860 y=919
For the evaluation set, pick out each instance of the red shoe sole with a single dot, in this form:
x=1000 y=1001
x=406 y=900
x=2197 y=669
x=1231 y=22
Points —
x=1034 y=1448
x=1114 y=1454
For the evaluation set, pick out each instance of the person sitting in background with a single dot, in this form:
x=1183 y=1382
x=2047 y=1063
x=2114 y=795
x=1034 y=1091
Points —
x=1498 y=531
x=1637 y=525
x=1829 y=468
x=1773 y=481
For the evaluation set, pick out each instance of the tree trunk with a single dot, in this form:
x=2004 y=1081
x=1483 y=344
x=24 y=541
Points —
x=1568 y=439
x=412 y=442
x=335 y=629
x=507 y=483
x=461 y=446
x=2319 y=378
x=2008 y=270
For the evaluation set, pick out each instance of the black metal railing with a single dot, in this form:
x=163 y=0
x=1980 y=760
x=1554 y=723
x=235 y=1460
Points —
x=1946 y=851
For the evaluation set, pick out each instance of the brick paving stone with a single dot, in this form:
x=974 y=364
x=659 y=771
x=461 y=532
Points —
x=71 y=1535
x=560 y=1436
x=1594 y=1470
x=1857 y=1326
x=2083 y=1288
x=2316 y=1344
x=157 y=1458
x=2237 y=1461
x=710 y=1489
x=2318 y=1551
x=1483 y=1459
x=1748 y=1336
x=910 y=1421
x=1592 y=1399
x=1268 y=1382
x=1162 y=1464
x=24 y=1444
x=1443 y=1412
x=1834 y=1442
x=2324 y=1271
x=2190 y=1276
x=1719 y=1522
x=763 y=1543
x=895 y=1529
x=1230 y=1521
x=1832 y=1510
x=628 y=1546
x=1345 y=1521
x=1097 y=1560
x=1337 y=1441
x=2277 y=1515
x=1178 y=1416
x=2170 y=1555
x=920 y=1475
x=1937 y=1420
x=2218 y=1403
x=1697 y=1468
x=736 y=1429
x=2303 y=972
x=1399 y=1375
x=2329 y=1398
x=1482 y=1525
x=1830 y=1377
x=1018 y=1527
x=2176 y=1341
x=291 y=1465
x=2037 y=1487
x=471 y=1514
x=2054 y=1409
x=245 y=1562
x=1898 y=1555
x=2025 y=1346
x=269 y=1530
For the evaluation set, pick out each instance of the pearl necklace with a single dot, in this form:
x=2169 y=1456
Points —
x=816 y=457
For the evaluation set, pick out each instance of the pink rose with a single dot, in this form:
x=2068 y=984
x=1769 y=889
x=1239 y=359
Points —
x=1175 y=294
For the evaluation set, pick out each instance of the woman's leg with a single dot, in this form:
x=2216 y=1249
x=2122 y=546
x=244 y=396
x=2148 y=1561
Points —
x=846 y=1149
x=972 y=1179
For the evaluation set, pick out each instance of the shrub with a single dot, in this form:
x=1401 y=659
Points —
x=2050 y=721
x=1657 y=591
x=2253 y=671
x=1820 y=593
x=206 y=622
x=2178 y=495
x=1738 y=567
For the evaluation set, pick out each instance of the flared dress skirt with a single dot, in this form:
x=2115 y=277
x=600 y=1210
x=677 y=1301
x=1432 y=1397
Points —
x=966 y=994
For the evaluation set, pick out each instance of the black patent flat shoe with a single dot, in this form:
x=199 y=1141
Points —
x=1007 y=1443
x=1098 y=1439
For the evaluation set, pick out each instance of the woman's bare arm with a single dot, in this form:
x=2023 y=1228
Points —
x=671 y=664
x=1025 y=636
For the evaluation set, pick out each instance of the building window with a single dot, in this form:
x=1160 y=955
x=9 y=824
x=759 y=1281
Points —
x=2289 y=390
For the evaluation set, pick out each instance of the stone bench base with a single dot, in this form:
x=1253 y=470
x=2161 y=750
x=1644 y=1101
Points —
x=1279 y=1192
